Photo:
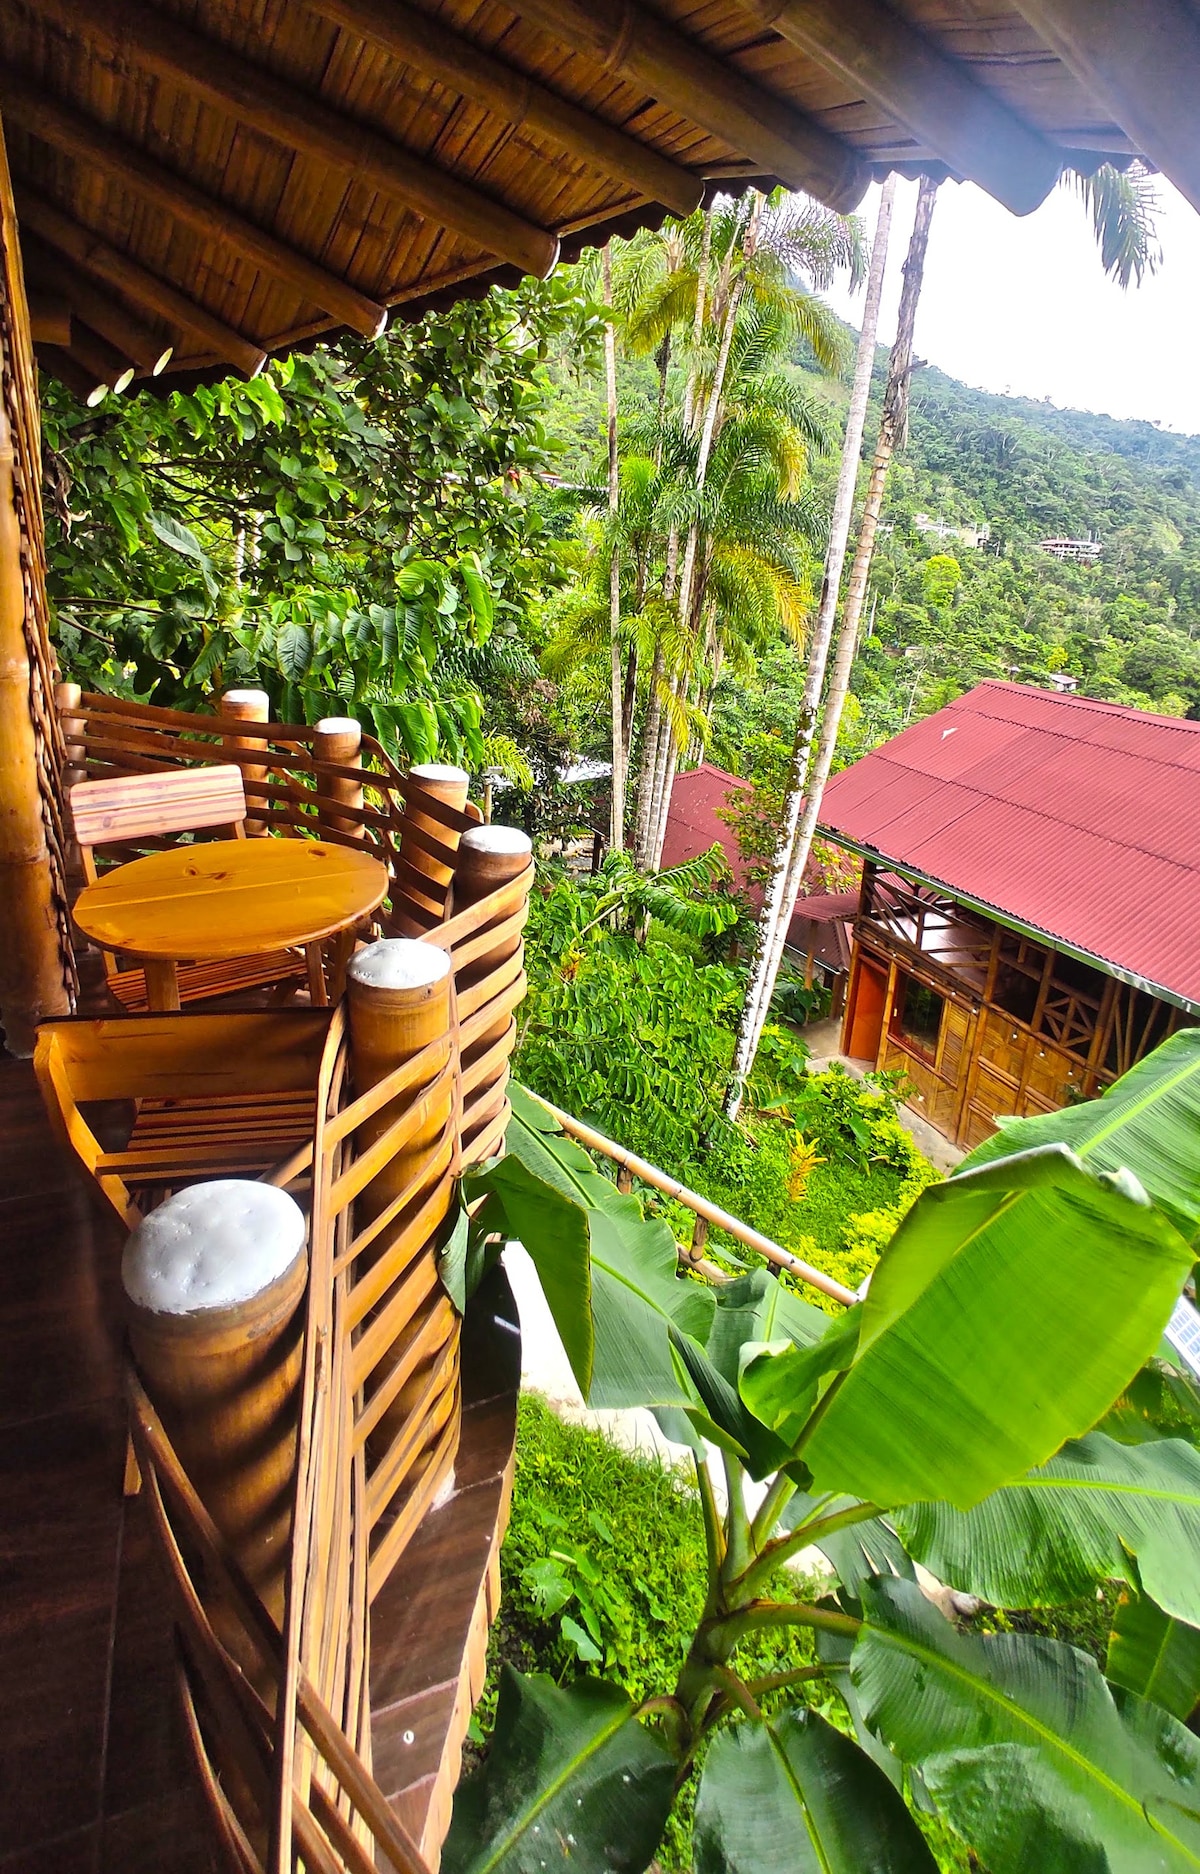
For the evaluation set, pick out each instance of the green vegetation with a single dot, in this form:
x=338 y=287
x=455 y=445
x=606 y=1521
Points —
x=633 y=1032
x=1030 y=1474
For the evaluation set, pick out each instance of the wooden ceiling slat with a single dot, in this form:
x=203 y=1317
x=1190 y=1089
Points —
x=54 y=123
x=623 y=36
x=106 y=263
x=255 y=96
x=913 y=81
x=415 y=39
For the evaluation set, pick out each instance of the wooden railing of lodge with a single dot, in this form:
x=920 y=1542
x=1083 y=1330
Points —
x=410 y=1087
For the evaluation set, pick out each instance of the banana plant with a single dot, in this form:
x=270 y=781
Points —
x=1001 y=1407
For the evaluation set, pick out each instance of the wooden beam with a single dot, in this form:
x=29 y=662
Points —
x=95 y=354
x=66 y=129
x=622 y=37
x=49 y=318
x=420 y=40
x=78 y=244
x=117 y=324
x=252 y=95
x=1142 y=64
x=935 y=97
x=56 y=361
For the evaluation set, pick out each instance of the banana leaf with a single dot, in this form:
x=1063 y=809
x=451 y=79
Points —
x=572 y=1779
x=608 y=1272
x=1098 y=1510
x=1027 y=1752
x=794 y=1796
x=1147 y=1121
x=1006 y=1314
x=1155 y=1656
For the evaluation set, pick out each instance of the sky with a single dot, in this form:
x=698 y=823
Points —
x=1022 y=305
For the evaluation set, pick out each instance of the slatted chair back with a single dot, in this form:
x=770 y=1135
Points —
x=213 y=1096
x=134 y=807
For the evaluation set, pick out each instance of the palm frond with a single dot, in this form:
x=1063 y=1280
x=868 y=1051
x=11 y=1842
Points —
x=1124 y=207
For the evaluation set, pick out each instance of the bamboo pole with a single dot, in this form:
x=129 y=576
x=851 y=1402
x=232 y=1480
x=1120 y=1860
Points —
x=248 y=706
x=254 y=96
x=416 y=38
x=77 y=243
x=32 y=981
x=872 y=48
x=709 y=89
x=109 y=156
x=213 y=1283
x=49 y=318
x=121 y=327
x=338 y=740
x=95 y=354
x=398 y=1003
x=711 y=1213
x=488 y=857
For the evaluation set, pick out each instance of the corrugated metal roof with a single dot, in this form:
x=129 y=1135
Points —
x=1077 y=818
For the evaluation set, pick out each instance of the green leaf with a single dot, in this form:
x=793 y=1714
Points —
x=856 y=1552
x=609 y=1273
x=571 y=1779
x=294 y=649
x=951 y=1394
x=794 y=1796
x=781 y=1384
x=1148 y=1121
x=757 y=1307
x=1082 y=1518
x=1024 y=1747
x=760 y=1450
x=1154 y=1656
x=452 y=1261
x=181 y=539
x=585 y=1646
x=479 y=596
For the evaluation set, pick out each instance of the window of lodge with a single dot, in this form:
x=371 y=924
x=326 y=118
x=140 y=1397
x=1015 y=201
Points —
x=917 y=1017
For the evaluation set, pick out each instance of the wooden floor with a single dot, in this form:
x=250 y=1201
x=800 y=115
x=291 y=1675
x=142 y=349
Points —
x=92 y=1774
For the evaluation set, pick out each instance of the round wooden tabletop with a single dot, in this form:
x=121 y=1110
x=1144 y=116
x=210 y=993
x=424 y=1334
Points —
x=230 y=898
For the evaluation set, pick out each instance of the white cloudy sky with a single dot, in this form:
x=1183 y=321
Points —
x=1023 y=305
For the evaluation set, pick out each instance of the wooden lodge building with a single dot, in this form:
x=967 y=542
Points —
x=1027 y=925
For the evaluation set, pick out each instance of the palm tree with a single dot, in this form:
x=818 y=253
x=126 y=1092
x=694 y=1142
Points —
x=1122 y=205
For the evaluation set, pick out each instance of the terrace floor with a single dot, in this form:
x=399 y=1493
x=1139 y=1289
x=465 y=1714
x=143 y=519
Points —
x=93 y=1777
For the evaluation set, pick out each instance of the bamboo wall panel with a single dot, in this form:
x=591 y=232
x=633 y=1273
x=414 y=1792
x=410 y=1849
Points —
x=36 y=963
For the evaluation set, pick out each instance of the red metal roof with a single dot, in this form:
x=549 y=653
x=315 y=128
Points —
x=692 y=824
x=1078 y=818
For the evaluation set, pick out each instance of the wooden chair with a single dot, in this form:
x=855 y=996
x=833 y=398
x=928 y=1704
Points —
x=212 y=1095
x=130 y=811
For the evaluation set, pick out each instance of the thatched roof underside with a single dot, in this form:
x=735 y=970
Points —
x=222 y=179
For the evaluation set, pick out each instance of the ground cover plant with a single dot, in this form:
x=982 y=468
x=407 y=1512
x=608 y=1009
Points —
x=924 y=1424
x=628 y=1026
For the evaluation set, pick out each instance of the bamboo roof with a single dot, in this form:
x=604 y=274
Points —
x=222 y=179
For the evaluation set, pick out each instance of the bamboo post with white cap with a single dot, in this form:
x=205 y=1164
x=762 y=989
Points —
x=432 y=878
x=214 y=1279
x=337 y=740
x=398 y=1001
x=248 y=706
x=488 y=857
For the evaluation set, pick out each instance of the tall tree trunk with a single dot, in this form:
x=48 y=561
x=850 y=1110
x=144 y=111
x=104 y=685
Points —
x=670 y=761
x=771 y=920
x=617 y=823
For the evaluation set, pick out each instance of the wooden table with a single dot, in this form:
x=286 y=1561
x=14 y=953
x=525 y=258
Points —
x=230 y=898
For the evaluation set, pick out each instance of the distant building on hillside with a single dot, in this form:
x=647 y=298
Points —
x=952 y=530
x=1026 y=927
x=1081 y=551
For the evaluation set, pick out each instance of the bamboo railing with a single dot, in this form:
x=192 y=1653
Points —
x=410 y=1085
